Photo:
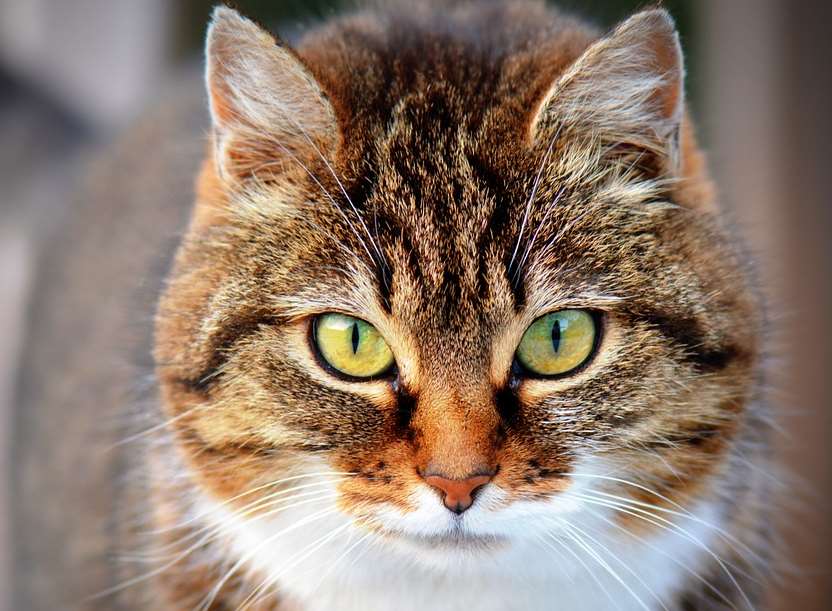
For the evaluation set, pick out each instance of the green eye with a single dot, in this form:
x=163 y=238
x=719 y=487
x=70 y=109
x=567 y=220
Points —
x=558 y=342
x=352 y=346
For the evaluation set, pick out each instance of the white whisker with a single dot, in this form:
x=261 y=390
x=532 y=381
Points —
x=305 y=553
x=245 y=558
x=671 y=527
x=588 y=570
x=574 y=533
x=214 y=532
x=656 y=549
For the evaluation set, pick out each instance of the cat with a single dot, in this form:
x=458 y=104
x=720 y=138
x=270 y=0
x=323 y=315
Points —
x=456 y=323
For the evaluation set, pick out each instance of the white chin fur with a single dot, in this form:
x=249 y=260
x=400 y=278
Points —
x=521 y=556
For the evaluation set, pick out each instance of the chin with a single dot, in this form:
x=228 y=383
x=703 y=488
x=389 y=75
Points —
x=489 y=533
x=447 y=552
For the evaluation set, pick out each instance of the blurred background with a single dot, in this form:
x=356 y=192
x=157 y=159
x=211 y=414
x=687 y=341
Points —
x=75 y=75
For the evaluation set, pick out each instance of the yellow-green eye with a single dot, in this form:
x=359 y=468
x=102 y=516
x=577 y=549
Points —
x=352 y=346
x=558 y=342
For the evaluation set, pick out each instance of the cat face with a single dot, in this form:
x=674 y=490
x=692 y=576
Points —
x=460 y=297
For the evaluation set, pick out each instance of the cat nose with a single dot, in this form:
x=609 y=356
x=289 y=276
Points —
x=458 y=494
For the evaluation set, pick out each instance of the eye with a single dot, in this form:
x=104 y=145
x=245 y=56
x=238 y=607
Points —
x=557 y=343
x=351 y=346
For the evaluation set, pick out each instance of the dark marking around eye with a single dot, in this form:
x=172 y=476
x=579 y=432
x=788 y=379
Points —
x=556 y=335
x=688 y=334
x=220 y=348
x=507 y=405
x=355 y=338
x=516 y=278
x=405 y=406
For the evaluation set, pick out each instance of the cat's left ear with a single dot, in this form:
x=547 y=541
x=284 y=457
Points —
x=267 y=109
x=627 y=89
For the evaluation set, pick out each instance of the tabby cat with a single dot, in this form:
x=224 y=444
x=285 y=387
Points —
x=456 y=324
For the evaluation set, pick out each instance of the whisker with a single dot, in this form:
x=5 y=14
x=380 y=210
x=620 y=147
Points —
x=380 y=257
x=654 y=548
x=203 y=541
x=671 y=527
x=738 y=546
x=540 y=226
x=212 y=594
x=153 y=429
x=589 y=571
x=572 y=532
x=622 y=563
x=306 y=552
x=682 y=512
x=271 y=484
x=337 y=560
x=527 y=210
x=561 y=559
x=250 y=512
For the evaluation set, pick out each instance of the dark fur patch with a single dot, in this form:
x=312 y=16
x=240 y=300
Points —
x=687 y=333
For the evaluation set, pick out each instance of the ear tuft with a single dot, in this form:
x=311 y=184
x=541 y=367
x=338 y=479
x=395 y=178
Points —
x=627 y=88
x=266 y=107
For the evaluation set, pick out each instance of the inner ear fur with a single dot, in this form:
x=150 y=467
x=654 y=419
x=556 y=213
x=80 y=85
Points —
x=267 y=109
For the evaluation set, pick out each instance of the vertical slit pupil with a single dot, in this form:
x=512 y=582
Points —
x=556 y=335
x=355 y=338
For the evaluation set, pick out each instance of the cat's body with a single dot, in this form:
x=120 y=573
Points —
x=451 y=176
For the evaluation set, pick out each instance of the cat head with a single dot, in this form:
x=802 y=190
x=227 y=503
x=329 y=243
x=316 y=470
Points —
x=454 y=271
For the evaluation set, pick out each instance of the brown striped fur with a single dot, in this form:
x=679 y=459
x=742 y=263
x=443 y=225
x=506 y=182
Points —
x=449 y=174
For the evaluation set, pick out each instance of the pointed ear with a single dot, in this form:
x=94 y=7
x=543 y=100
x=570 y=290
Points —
x=267 y=109
x=626 y=90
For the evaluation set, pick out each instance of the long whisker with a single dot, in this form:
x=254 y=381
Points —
x=738 y=546
x=671 y=527
x=332 y=201
x=656 y=549
x=341 y=475
x=245 y=558
x=305 y=553
x=250 y=512
x=573 y=533
x=337 y=180
x=588 y=570
x=179 y=557
x=380 y=258
x=342 y=556
x=621 y=562
x=155 y=428
x=561 y=559
x=527 y=210
x=540 y=226
x=680 y=511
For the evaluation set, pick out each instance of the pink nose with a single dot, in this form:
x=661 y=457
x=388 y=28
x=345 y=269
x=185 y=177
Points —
x=457 y=494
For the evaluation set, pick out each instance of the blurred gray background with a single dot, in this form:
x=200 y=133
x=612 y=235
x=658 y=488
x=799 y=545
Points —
x=74 y=75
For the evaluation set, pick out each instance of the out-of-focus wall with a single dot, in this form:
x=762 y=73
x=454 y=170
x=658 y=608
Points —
x=71 y=74
x=766 y=114
x=101 y=59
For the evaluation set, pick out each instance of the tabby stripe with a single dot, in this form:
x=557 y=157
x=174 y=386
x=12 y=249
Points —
x=687 y=333
x=236 y=330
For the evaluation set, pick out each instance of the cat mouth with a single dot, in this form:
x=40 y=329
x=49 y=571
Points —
x=453 y=541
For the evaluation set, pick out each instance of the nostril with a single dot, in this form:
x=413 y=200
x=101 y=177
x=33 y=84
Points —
x=458 y=494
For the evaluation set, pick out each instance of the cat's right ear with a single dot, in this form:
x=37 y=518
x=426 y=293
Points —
x=267 y=109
